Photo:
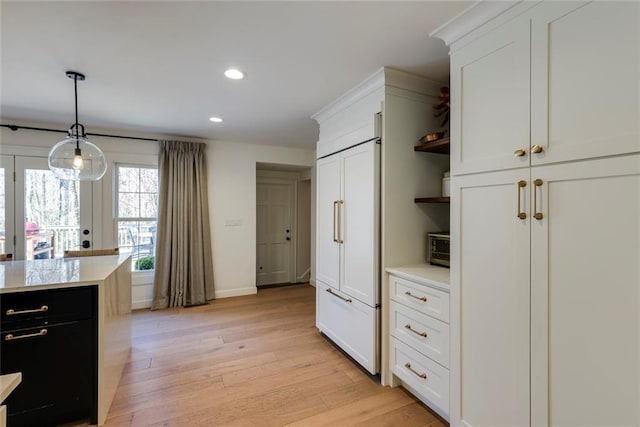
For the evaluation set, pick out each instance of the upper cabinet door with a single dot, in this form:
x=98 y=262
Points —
x=328 y=198
x=585 y=80
x=490 y=81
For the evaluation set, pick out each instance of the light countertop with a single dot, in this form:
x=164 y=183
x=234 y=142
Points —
x=424 y=274
x=18 y=276
x=8 y=383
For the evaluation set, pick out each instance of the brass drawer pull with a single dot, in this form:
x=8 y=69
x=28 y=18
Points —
x=422 y=334
x=12 y=312
x=537 y=215
x=421 y=375
x=409 y=294
x=520 y=214
x=11 y=337
x=341 y=297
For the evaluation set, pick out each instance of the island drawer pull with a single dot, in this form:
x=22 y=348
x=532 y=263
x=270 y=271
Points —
x=422 y=334
x=341 y=297
x=409 y=294
x=11 y=337
x=421 y=375
x=12 y=312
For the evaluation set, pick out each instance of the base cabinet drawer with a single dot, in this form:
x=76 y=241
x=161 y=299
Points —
x=427 y=300
x=424 y=333
x=426 y=377
x=351 y=324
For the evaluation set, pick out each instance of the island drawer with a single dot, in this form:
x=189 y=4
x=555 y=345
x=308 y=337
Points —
x=31 y=308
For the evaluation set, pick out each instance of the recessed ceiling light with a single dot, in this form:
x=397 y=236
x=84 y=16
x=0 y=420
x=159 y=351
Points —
x=216 y=119
x=234 y=74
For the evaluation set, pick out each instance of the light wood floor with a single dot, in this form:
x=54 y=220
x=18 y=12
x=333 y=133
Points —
x=250 y=361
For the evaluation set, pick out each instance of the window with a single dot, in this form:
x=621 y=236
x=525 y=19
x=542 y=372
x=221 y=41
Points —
x=136 y=213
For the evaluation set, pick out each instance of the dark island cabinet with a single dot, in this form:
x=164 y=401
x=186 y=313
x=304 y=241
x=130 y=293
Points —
x=50 y=336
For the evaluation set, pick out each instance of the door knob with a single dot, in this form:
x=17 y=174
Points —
x=86 y=244
x=519 y=152
x=288 y=238
x=537 y=149
x=85 y=231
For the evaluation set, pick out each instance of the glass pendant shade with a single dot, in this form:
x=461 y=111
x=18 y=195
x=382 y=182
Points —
x=75 y=158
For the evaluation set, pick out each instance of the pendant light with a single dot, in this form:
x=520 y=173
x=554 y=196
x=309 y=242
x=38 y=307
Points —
x=75 y=158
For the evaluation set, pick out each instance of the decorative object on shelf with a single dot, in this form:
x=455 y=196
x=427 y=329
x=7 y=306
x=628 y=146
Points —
x=441 y=146
x=442 y=108
x=75 y=158
x=431 y=137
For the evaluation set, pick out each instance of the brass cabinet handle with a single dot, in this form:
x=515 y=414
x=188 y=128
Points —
x=521 y=214
x=12 y=312
x=421 y=375
x=409 y=294
x=340 y=204
x=335 y=203
x=537 y=149
x=422 y=334
x=537 y=215
x=11 y=337
x=520 y=152
x=338 y=296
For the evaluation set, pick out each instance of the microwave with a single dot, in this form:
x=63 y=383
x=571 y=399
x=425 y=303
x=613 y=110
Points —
x=438 y=248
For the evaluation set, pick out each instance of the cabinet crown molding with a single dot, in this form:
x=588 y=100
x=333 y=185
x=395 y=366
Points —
x=385 y=76
x=471 y=18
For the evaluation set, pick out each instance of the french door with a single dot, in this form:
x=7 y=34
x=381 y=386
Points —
x=42 y=216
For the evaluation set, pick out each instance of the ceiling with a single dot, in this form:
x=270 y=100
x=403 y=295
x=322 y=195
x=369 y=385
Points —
x=157 y=66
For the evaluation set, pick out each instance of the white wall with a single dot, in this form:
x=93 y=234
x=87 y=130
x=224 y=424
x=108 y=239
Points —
x=232 y=196
x=303 y=257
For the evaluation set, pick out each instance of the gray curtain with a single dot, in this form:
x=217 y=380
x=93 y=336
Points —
x=184 y=266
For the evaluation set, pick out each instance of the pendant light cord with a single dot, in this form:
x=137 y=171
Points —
x=75 y=86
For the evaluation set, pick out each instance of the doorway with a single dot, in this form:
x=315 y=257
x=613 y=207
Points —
x=41 y=216
x=283 y=225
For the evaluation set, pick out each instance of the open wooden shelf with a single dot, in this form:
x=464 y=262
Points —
x=440 y=146
x=432 y=200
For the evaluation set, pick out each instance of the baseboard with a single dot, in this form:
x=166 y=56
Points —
x=312 y=282
x=227 y=293
x=136 y=305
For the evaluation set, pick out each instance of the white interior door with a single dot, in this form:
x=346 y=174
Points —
x=7 y=213
x=274 y=233
x=51 y=215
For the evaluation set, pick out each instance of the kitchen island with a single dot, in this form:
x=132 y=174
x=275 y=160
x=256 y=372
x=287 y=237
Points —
x=66 y=325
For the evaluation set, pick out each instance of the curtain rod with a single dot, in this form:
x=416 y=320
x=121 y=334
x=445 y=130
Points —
x=16 y=127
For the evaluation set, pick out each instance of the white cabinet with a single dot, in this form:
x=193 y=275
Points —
x=490 y=299
x=367 y=176
x=419 y=325
x=567 y=272
x=347 y=234
x=545 y=290
x=348 y=251
x=490 y=101
x=556 y=83
x=585 y=290
x=585 y=87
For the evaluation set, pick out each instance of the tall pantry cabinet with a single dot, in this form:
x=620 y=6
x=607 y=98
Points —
x=367 y=179
x=545 y=221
